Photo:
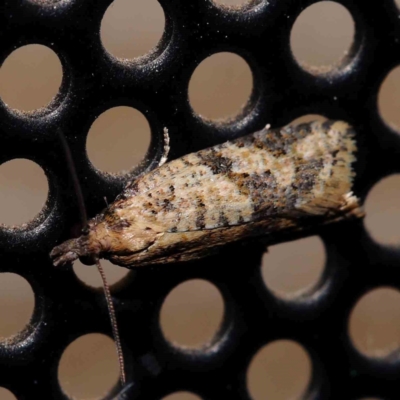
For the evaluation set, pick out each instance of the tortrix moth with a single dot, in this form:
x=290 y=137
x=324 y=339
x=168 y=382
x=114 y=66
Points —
x=257 y=185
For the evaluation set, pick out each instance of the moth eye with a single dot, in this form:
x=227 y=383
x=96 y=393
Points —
x=88 y=260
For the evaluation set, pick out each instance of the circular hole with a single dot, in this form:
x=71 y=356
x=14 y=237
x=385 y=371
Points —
x=5 y=394
x=375 y=322
x=89 y=367
x=382 y=210
x=304 y=119
x=47 y=3
x=18 y=301
x=233 y=3
x=289 y=269
x=220 y=86
x=24 y=191
x=322 y=34
x=192 y=313
x=118 y=139
x=90 y=275
x=389 y=98
x=182 y=396
x=280 y=370
x=30 y=77
x=131 y=28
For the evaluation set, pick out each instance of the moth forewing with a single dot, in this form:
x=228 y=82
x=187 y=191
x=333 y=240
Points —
x=263 y=183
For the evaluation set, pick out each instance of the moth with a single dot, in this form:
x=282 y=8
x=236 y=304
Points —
x=258 y=185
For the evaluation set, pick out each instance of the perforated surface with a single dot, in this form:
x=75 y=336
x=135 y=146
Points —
x=157 y=86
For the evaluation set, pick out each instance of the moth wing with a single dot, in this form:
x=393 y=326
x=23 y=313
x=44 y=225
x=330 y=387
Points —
x=269 y=174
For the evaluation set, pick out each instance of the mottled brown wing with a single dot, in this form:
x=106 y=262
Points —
x=272 y=173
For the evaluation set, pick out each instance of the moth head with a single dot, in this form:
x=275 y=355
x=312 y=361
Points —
x=71 y=250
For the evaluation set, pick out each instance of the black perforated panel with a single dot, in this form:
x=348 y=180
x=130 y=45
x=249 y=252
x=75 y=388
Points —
x=157 y=85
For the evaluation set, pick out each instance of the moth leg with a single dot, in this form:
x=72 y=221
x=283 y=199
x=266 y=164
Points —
x=166 y=148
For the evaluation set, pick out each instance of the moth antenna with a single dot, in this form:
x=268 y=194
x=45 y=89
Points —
x=85 y=229
x=166 y=148
x=114 y=324
x=75 y=180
